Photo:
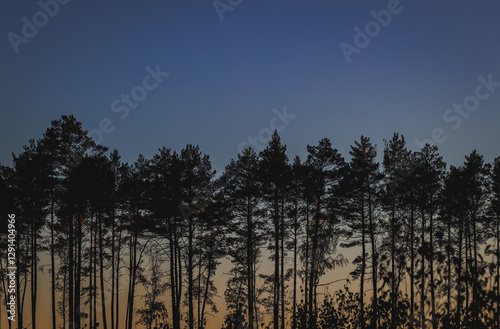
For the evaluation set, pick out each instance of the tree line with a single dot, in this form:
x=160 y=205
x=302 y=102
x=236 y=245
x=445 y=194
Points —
x=426 y=237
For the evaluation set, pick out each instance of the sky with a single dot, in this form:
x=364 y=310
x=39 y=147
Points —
x=223 y=77
x=226 y=76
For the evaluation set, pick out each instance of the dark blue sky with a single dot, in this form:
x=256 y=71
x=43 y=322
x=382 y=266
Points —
x=226 y=77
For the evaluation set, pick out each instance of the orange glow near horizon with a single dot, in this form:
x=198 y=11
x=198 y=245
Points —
x=215 y=321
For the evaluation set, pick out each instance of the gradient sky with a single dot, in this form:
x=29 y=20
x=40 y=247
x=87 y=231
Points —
x=226 y=77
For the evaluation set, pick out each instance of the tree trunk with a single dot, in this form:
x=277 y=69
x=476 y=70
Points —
x=294 y=302
x=422 y=287
x=448 y=254
x=282 y=238
x=179 y=279
x=91 y=275
x=71 y=277
x=306 y=272
x=131 y=253
x=412 y=266
x=250 y=263
x=393 y=264
x=173 y=280
x=101 y=275
x=431 y=267
x=374 y=259
x=363 y=264
x=475 y=291
x=94 y=273
x=190 y=273
x=52 y=264
x=131 y=296
x=65 y=288
x=78 y=274
x=497 y=313
x=313 y=275
x=459 y=274
x=117 y=278
x=205 y=296
x=34 y=276
x=113 y=272
x=276 y=265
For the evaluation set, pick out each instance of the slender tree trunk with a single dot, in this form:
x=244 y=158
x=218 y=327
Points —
x=412 y=266
x=276 y=265
x=393 y=265
x=117 y=278
x=363 y=263
x=34 y=273
x=131 y=253
x=205 y=296
x=179 y=278
x=101 y=274
x=91 y=274
x=459 y=274
x=198 y=294
x=131 y=296
x=24 y=289
x=467 y=268
x=52 y=263
x=314 y=275
x=294 y=302
x=3 y=291
x=94 y=274
x=422 y=287
x=173 y=279
x=113 y=271
x=374 y=259
x=190 y=273
x=65 y=288
x=18 y=285
x=35 y=285
x=306 y=272
x=448 y=254
x=497 y=279
x=282 y=238
x=254 y=284
x=250 y=263
x=431 y=267
x=71 y=277
x=475 y=283
x=78 y=274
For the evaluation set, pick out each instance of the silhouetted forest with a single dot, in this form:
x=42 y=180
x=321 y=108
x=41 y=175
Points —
x=426 y=237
